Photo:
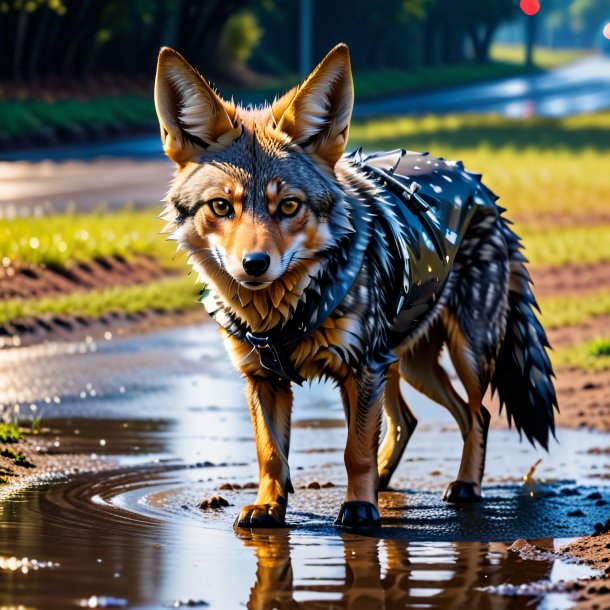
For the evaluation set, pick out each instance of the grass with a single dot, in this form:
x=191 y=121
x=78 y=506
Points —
x=572 y=310
x=540 y=167
x=61 y=239
x=19 y=459
x=9 y=433
x=27 y=116
x=165 y=295
x=485 y=131
x=543 y=56
x=561 y=245
x=589 y=355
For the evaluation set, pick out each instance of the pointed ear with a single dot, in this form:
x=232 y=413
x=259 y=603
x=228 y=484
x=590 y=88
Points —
x=191 y=115
x=319 y=114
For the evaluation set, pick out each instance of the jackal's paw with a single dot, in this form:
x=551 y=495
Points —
x=262 y=515
x=357 y=515
x=461 y=492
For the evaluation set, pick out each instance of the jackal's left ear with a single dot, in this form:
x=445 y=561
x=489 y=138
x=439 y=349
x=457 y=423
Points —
x=191 y=115
x=318 y=116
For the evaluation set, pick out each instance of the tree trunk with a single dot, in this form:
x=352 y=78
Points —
x=531 y=27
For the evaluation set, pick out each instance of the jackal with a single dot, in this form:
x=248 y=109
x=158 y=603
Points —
x=355 y=268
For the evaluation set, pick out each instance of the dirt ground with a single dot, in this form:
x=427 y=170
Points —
x=595 y=552
x=584 y=397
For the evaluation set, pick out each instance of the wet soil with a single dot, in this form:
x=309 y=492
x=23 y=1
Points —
x=167 y=412
x=20 y=281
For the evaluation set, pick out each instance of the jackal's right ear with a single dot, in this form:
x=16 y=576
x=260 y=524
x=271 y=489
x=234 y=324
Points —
x=191 y=115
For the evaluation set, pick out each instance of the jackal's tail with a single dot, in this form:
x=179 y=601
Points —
x=523 y=373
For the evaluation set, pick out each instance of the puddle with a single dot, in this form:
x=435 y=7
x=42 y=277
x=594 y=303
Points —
x=170 y=411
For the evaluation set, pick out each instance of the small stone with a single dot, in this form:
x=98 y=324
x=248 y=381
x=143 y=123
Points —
x=576 y=513
x=213 y=502
x=314 y=485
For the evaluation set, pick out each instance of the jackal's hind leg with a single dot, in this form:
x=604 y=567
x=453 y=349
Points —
x=270 y=406
x=421 y=368
x=400 y=426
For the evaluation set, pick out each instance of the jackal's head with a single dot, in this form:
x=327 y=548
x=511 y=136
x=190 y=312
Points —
x=255 y=189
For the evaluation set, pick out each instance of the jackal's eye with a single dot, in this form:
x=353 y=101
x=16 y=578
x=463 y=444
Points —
x=221 y=207
x=289 y=207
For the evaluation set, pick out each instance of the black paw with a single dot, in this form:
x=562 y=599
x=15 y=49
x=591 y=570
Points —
x=213 y=502
x=262 y=515
x=460 y=492
x=358 y=516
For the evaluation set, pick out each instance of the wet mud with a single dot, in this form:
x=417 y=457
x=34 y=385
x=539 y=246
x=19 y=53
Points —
x=168 y=412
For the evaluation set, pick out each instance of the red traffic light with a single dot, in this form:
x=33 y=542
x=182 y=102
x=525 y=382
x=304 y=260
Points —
x=529 y=7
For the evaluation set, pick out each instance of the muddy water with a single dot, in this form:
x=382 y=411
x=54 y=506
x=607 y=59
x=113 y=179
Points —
x=169 y=409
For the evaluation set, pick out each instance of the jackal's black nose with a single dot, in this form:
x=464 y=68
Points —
x=256 y=263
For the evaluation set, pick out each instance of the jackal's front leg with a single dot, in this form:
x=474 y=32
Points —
x=270 y=406
x=362 y=399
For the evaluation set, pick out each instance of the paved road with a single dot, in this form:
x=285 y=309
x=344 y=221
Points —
x=135 y=170
x=582 y=86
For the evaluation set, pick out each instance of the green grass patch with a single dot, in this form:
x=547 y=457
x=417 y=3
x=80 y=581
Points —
x=59 y=240
x=370 y=84
x=19 y=117
x=165 y=295
x=560 y=245
x=19 y=459
x=572 y=310
x=601 y=347
x=543 y=56
x=9 y=433
x=485 y=131
x=587 y=356
x=539 y=167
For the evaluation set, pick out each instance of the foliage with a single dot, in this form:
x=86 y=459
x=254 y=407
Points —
x=30 y=116
x=585 y=355
x=601 y=347
x=590 y=15
x=241 y=35
x=9 y=433
x=172 y=294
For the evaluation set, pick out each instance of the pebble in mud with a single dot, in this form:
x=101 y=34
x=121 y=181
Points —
x=213 y=502
x=187 y=603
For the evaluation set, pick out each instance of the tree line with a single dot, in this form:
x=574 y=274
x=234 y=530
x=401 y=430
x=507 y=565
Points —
x=82 y=38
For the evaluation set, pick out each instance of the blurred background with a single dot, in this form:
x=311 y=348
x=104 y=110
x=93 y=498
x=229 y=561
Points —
x=518 y=90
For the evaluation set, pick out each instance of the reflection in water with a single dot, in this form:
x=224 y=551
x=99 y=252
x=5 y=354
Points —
x=375 y=574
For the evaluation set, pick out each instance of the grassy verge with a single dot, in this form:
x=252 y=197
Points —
x=543 y=167
x=543 y=57
x=572 y=310
x=561 y=245
x=58 y=240
x=589 y=356
x=19 y=117
x=165 y=295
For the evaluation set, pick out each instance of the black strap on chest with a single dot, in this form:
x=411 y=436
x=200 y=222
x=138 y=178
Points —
x=319 y=300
